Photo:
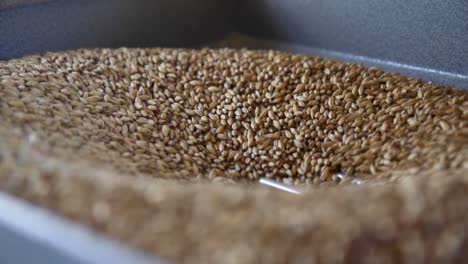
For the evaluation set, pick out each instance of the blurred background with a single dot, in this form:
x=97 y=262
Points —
x=413 y=37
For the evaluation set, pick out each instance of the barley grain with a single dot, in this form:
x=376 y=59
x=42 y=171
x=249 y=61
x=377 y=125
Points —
x=239 y=115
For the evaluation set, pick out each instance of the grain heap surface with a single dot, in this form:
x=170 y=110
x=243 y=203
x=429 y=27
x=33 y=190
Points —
x=110 y=138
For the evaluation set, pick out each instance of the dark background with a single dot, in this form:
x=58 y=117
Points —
x=426 y=39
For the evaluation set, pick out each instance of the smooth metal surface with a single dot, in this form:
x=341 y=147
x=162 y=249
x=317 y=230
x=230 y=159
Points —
x=341 y=176
x=425 y=37
x=71 y=24
x=278 y=185
x=16 y=3
x=29 y=234
x=436 y=76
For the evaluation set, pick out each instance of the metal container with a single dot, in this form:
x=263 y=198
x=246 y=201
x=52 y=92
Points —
x=424 y=39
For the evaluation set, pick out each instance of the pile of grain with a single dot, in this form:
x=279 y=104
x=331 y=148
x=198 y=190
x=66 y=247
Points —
x=107 y=137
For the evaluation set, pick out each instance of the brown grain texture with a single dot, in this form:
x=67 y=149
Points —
x=134 y=143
